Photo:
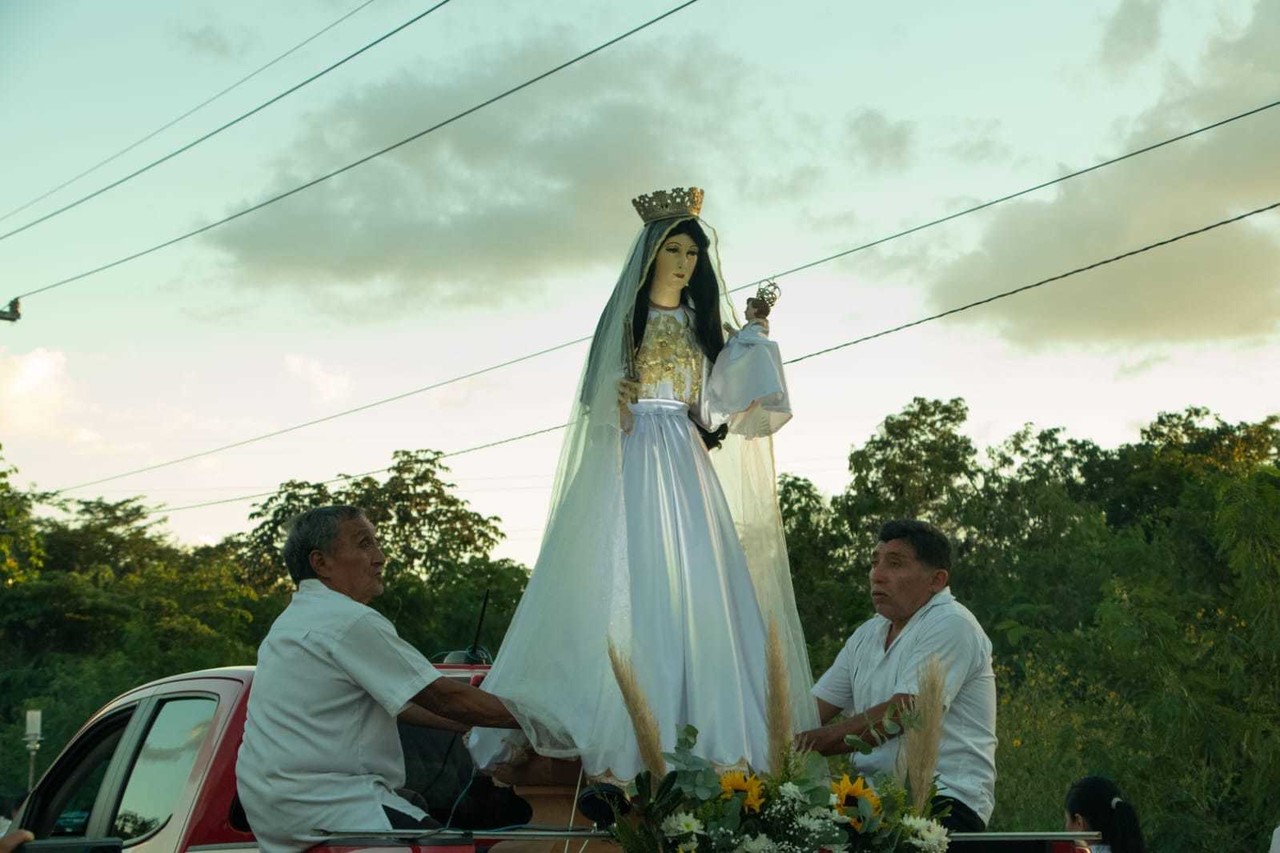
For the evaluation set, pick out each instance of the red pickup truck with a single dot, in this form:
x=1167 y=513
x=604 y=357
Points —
x=154 y=771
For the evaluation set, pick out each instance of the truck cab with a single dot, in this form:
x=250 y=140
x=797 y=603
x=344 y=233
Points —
x=153 y=771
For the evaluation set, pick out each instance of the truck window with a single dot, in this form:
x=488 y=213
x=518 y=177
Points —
x=63 y=802
x=159 y=774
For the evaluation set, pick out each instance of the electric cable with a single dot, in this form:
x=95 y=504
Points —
x=360 y=162
x=899 y=328
x=343 y=477
x=845 y=253
x=245 y=79
x=192 y=144
x=1041 y=283
x=319 y=420
x=1010 y=196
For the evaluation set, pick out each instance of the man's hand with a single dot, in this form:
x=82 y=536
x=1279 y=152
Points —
x=824 y=741
x=867 y=726
x=463 y=703
x=14 y=840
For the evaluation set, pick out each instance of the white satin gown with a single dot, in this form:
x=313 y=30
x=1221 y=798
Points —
x=696 y=634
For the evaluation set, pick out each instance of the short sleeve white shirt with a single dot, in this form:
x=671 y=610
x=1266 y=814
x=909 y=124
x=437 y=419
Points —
x=865 y=674
x=321 y=749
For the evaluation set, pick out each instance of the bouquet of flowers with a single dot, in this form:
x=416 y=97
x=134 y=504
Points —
x=683 y=804
x=794 y=810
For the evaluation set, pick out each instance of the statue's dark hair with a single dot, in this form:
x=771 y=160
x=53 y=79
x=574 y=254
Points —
x=702 y=296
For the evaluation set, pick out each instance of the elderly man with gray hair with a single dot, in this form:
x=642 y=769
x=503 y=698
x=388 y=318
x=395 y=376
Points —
x=321 y=750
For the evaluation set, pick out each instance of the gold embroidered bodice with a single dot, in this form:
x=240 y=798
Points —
x=669 y=363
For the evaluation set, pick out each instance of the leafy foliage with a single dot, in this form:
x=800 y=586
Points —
x=1132 y=596
x=98 y=599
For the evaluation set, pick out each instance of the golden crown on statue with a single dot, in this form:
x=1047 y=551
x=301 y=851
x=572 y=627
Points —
x=664 y=204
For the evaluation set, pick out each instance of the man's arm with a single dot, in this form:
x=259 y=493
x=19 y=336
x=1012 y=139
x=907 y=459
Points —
x=416 y=715
x=829 y=740
x=463 y=703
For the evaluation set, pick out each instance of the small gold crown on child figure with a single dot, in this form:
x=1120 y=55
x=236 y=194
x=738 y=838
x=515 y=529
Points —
x=664 y=204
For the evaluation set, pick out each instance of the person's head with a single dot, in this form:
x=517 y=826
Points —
x=911 y=562
x=338 y=546
x=684 y=251
x=676 y=259
x=1095 y=804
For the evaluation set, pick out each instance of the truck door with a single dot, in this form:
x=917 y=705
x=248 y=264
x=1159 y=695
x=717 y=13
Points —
x=124 y=781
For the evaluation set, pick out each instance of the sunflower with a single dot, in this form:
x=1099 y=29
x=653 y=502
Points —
x=841 y=790
x=846 y=793
x=736 y=780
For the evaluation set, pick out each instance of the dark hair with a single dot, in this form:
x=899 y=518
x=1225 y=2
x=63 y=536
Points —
x=703 y=296
x=313 y=530
x=931 y=545
x=1105 y=810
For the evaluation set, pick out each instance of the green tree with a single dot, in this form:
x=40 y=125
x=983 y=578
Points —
x=112 y=603
x=439 y=565
x=1131 y=595
x=20 y=551
x=917 y=465
x=830 y=582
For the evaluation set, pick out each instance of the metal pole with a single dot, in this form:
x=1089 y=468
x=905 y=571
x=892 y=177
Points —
x=33 y=738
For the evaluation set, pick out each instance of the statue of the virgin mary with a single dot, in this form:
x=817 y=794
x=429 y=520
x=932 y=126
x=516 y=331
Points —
x=664 y=535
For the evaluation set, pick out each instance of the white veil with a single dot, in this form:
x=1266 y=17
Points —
x=553 y=664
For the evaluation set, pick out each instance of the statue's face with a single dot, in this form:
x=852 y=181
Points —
x=673 y=267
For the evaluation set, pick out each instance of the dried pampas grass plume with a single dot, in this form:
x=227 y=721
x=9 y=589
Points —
x=778 y=702
x=919 y=754
x=642 y=720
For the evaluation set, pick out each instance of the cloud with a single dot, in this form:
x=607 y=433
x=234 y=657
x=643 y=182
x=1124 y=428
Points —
x=978 y=143
x=34 y=391
x=882 y=144
x=1219 y=286
x=486 y=211
x=326 y=385
x=1132 y=33
x=209 y=40
x=1134 y=369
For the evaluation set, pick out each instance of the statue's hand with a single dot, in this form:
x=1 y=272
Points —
x=628 y=392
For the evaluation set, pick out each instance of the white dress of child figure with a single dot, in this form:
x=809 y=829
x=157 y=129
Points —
x=673 y=553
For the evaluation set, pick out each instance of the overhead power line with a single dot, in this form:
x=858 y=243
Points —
x=324 y=419
x=826 y=350
x=1041 y=283
x=193 y=143
x=876 y=242
x=206 y=102
x=1044 y=185
x=343 y=477
x=321 y=179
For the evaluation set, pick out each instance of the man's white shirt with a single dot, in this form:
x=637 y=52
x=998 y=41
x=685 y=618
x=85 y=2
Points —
x=865 y=674
x=321 y=749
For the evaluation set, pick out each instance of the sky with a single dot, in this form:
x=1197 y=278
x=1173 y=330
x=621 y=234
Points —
x=813 y=126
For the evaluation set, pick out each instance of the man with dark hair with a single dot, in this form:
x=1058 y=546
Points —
x=876 y=675
x=321 y=750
